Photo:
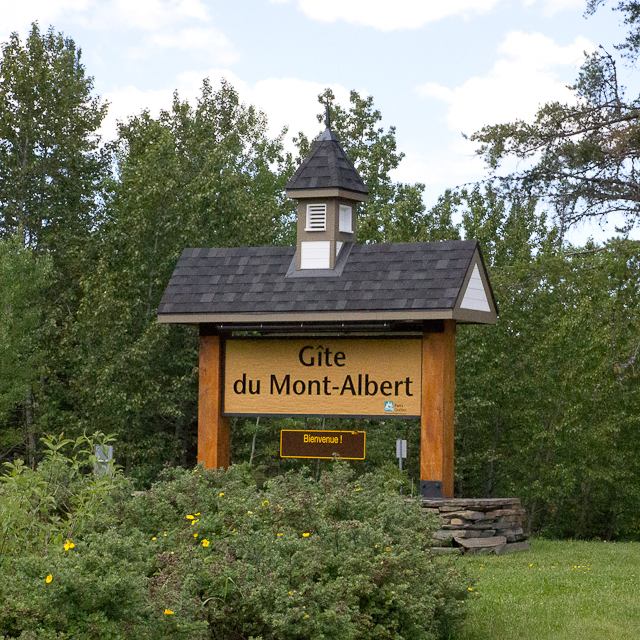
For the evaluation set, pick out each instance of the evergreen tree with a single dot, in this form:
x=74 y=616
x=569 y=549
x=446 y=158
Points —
x=50 y=165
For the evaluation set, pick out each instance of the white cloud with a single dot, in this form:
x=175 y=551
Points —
x=144 y=15
x=17 y=16
x=520 y=81
x=206 y=39
x=551 y=7
x=285 y=101
x=457 y=166
x=388 y=15
x=129 y=101
x=183 y=25
x=292 y=102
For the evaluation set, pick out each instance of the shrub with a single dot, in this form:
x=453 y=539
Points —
x=204 y=555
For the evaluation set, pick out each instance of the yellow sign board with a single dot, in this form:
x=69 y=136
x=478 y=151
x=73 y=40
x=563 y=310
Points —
x=374 y=377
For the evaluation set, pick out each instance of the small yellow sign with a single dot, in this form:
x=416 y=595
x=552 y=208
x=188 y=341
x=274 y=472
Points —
x=303 y=443
x=377 y=377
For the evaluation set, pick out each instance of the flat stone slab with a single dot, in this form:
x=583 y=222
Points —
x=505 y=525
x=471 y=503
x=456 y=522
x=465 y=515
x=475 y=543
x=446 y=535
x=506 y=512
x=440 y=551
x=484 y=551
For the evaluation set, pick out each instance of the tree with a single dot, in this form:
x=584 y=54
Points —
x=547 y=400
x=23 y=278
x=395 y=211
x=581 y=158
x=631 y=9
x=50 y=164
x=50 y=174
x=201 y=176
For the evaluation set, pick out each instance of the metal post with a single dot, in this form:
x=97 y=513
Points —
x=401 y=451
x=103 y=460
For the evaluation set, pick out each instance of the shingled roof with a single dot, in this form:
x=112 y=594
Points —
x=327 y=167
x=372 y=282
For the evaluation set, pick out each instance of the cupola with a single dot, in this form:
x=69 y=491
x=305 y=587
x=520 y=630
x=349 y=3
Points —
x=328 y=190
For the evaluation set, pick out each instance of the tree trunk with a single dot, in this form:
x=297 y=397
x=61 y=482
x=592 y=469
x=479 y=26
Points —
x=586 y=489
x=490 y=484
x=253 y=442
x=460 y=477
x=30 y=428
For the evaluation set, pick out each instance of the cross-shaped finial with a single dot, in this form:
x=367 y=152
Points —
x=328 y=116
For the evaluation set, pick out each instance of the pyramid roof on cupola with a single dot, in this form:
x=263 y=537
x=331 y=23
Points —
x=327 y=167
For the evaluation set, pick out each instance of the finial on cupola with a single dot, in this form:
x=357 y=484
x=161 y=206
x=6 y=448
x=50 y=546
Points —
x=327 y=119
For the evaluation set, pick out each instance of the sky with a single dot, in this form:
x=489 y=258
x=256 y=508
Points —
x=436 y=68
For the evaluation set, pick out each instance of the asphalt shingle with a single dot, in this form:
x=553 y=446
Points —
x=327 y=167
x=376 y=277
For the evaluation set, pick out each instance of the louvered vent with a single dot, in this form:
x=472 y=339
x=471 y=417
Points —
x=316 y=217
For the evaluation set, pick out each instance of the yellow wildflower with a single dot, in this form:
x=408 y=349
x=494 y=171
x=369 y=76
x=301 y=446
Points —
x=305 y=535
x=290 y=593
x=220 y=494
x=279 y=534
x=198 y=513
x=307 y=615
x=153 y=538
x=205 y=543
x=388 y=548
x=165 y=533
x=190 y=517
x=265 y=503
x=195 y=535
x=470 y=588
x=168 y=612
x=48 y=579
x=68 y=545
x=194 y=521
x=250 y=513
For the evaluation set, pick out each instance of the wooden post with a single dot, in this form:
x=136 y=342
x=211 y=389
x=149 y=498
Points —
x=213 y=427
x=438 y=384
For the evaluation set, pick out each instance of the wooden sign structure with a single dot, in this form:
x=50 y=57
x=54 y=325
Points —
x=437 y=385
x=342 y=329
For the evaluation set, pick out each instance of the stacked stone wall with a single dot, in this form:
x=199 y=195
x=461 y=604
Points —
x=478 y=526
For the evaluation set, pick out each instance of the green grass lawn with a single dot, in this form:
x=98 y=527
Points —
x=559 y=590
